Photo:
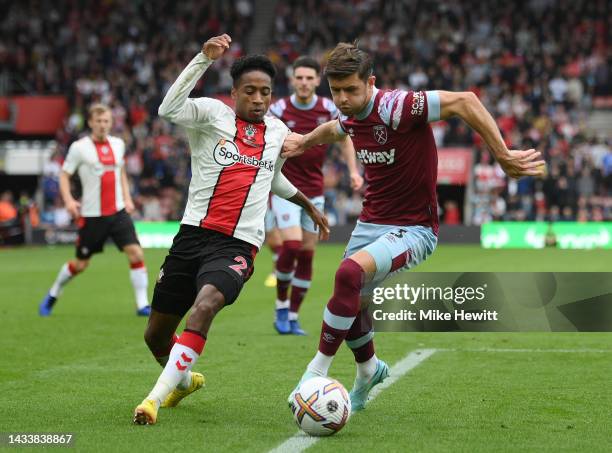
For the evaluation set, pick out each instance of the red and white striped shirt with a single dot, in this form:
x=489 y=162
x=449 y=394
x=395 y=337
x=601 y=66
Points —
x=99 y=168
x=234 y=164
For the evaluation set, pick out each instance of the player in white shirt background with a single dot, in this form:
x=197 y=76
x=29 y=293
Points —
x=235 y=162
x=104 y=210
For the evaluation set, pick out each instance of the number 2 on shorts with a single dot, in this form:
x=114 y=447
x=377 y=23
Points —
x=242 y=265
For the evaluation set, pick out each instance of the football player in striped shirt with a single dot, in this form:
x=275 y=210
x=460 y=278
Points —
x=104 y=210
x=235 y=161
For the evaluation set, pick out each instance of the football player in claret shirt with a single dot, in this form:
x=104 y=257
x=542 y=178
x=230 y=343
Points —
x=302 y=112
x=104 y=208
x=398 y=225
x=235 y=161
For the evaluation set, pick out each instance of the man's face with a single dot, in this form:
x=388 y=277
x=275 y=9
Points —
x=253 y=95
x=100 y=124
x=305 y=81
x=351 y=94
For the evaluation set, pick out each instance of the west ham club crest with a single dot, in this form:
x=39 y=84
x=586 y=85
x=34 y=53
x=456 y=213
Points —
x=380 y=134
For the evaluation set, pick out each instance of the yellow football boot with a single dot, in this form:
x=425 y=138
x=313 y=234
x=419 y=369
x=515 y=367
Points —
x=146 y=413
x=197 y=382
x=270 y=281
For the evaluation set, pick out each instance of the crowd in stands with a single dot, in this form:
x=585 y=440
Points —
x=125 y=54
x=537 y=65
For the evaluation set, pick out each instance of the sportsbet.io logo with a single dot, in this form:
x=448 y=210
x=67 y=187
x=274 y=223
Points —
x=226 y=154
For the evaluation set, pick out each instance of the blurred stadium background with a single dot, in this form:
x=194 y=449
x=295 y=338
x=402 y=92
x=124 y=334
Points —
x=542 y=67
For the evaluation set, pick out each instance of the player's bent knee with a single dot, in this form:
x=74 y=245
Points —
x=134 y=254
x=292 y=245
x=349 y=275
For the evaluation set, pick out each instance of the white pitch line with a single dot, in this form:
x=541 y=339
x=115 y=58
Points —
x=301 y=441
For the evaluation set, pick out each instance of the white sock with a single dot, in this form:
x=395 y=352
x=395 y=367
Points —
x=365 y=370
x=62 y=278
x=177 y=371
x=140 y=282
x=185 y=383
x=293 y=316
x=320 y=364
x=282 y=304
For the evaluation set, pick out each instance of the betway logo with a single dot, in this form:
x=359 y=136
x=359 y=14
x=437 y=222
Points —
x=376 y=157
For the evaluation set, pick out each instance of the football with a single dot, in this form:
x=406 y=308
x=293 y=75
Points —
x=321 y=406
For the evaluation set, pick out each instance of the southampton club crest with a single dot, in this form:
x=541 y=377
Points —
x=380 y=134
x=249 y=131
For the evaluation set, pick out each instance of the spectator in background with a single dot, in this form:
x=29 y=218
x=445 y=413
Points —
x=607 y=172
x=8 y=211
x=452 y=216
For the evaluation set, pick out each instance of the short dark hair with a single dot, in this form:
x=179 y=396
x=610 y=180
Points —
x=307 y=62
x=252 y=63
x=347 y=59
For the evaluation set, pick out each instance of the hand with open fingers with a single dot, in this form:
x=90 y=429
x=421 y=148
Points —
x=518 y=163
x=293 y=145
x=216 y=46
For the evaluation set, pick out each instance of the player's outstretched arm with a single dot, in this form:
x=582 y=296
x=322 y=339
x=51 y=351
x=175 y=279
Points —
x=467 y=106
x=282 y=187
x=348 y=152
x=317 y=216
x=296 y=144
x=176 y=106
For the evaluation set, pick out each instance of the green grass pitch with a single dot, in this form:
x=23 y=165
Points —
x=84 y=369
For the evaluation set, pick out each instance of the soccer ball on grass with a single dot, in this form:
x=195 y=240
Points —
x=321 y=406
